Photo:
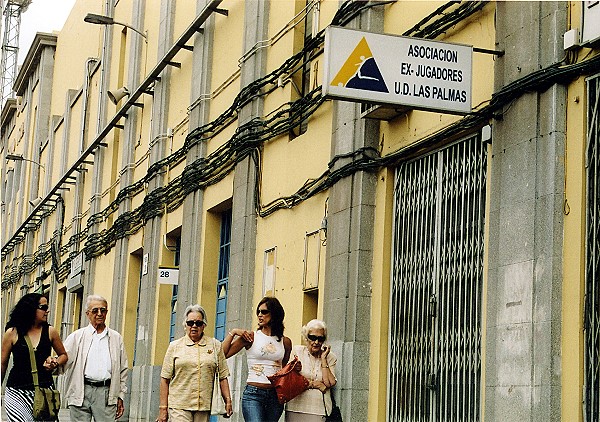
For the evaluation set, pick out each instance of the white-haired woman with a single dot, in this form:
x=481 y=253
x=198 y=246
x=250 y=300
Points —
x=318 y=366
x=188 y=371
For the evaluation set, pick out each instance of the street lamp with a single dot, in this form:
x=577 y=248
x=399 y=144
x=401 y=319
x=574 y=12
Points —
x=96 y=19
x=16 y=157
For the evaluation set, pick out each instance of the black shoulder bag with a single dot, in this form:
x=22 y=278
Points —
x=336 y=413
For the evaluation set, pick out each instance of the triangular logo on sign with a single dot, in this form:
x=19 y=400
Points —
x=360 y=71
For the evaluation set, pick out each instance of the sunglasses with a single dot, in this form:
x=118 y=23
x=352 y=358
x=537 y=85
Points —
x=197 y=323
x=263 y=312
x=43 y=307
x=320 y=339
x=98 y=310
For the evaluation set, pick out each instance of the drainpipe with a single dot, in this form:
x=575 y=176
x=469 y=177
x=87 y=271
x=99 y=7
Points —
x=84 y=117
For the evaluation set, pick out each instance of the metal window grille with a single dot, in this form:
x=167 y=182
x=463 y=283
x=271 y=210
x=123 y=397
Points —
x=435 y=320
x=592 y=272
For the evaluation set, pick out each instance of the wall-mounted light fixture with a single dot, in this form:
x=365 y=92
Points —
x=96 y=19
x=116 y=95
x=18 y=157
x=35 y=202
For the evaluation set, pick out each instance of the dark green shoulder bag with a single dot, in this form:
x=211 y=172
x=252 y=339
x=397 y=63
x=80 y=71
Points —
x=46 y=402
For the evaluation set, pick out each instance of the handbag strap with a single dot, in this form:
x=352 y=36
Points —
x=216 y=359
x=34 y=371
x=332 y=401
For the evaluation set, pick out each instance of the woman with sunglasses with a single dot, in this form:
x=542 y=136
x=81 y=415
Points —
x=318 y=366
x=29 y=318
x=188 y=372
x=267 y=350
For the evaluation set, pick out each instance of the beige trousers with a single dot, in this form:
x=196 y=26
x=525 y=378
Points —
x=302 y=417
x=176 y=415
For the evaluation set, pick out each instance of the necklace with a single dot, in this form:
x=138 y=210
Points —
x=314 y=367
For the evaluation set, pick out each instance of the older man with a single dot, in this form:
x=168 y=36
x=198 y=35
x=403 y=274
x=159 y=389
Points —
x=96 y=374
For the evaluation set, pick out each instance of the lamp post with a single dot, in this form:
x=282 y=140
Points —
x=96 y=19
x=16 y=157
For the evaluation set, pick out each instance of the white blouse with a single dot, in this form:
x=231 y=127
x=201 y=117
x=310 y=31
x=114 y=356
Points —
x=311 y=401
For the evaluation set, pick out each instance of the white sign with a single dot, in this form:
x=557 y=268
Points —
x=145 y=264
x=76 y=265
x=168 y=275
x=590 y=32
x=389 y=69
x=74 y=284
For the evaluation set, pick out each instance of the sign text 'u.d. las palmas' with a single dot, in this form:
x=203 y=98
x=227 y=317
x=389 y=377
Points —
x=389 y=69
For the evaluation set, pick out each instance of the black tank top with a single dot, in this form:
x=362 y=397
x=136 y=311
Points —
x=20 y=374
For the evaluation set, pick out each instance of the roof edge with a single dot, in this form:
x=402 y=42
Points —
x=41 y=41
x=10 y=106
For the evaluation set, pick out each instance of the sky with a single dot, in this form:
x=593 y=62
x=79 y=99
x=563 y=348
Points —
x=41 y=16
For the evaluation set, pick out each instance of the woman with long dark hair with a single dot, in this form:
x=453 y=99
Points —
x=267 y=351
x=29 y=318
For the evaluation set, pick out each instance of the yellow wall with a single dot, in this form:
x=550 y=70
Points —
x=573 y=288
x=225 y=66
x=379 y=323
x=574 y=254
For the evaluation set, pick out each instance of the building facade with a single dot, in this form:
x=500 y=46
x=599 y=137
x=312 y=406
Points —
x=454 y=258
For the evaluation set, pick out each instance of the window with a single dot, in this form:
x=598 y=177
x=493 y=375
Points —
x=314 y=257
x=269 y=272
x=300 y=79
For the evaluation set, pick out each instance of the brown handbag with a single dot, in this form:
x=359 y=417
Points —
x=288 y=382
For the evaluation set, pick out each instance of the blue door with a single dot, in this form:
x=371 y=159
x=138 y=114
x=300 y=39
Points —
x=223 y=275
x=174 y=297
x=222 y=280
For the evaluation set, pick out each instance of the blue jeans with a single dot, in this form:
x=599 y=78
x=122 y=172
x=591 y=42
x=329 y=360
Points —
x=260 y=405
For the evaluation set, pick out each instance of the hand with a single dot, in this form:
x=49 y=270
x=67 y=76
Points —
x=51 y=363
x=318 y=385
x=163 y=415
x=324 y=352
x=228 y=409
x=248 y=336
x=120 y=408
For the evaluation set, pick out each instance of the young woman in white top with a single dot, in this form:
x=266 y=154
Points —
x=267 y=351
